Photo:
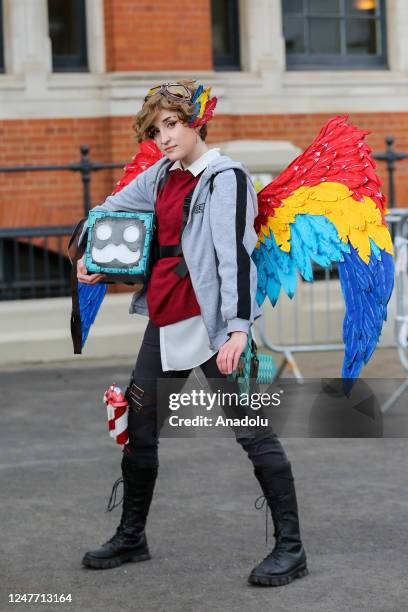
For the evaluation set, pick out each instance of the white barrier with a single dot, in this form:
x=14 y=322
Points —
x=313 y=320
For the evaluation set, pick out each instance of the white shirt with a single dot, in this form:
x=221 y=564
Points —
x=185 y=344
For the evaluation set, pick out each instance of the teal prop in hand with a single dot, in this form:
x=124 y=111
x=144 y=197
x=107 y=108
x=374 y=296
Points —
x=266 y=369
x=253 y=366
x=119 y=245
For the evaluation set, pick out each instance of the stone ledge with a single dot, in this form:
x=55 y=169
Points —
x=261 y=155
x=39 y=331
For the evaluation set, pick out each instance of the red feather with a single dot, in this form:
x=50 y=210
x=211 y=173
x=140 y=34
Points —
x=339 y=154
x=148 y=154
x=208 y=113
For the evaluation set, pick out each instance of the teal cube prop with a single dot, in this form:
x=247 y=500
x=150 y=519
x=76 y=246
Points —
x=119 y=245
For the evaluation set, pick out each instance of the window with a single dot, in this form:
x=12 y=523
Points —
x=334 y=33
x=67 y=25
x=225 y=34
x=1 y=38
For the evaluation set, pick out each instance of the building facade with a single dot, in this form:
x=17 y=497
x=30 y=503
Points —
x=76 y=71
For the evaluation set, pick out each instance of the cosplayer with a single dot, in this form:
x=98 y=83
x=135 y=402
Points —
x=218 y=258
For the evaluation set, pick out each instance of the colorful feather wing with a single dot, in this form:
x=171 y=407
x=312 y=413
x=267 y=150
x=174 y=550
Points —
x=91 y=296
x=148 y=154
x=90 y=300
x=327 y=207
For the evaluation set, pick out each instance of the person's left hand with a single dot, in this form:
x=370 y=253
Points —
x=230 y=352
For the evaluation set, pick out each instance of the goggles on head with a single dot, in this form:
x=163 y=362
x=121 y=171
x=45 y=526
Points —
x=200 y=97
x=174 y=91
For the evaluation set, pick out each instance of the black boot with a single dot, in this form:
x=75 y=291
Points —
x=287 y=560
x=129 y=542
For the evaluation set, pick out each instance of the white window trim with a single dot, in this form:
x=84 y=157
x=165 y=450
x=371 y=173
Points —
x=95 y=33
x=27 y=46
x=282 y=91
x=397 y=51
x=262 y=87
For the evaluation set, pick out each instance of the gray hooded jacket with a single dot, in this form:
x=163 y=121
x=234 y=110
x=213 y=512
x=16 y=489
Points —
x=217 y=242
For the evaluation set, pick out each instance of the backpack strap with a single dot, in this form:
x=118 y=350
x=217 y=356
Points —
x=181 y=268
x=75 y=252
x=154 y=247
x=212 y=178
x=175 y=250
x=161 y=184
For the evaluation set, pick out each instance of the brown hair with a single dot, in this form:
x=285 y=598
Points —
x=145 y=118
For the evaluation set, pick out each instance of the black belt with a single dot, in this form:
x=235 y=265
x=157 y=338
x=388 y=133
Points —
x=173 y=250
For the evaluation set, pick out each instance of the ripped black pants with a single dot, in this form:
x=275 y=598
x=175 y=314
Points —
x=260 y=443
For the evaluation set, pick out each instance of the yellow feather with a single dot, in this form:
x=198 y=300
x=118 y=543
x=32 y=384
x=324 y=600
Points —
x=328 y=192
x=360 y=241
x=342 y=224
x=356 y=222
x=203 y=99
x=382 y=239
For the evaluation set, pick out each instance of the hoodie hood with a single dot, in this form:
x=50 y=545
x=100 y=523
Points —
x=219 y=164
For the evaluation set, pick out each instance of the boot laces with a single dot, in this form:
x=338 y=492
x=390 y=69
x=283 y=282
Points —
x=112 y=504
x=259 y=503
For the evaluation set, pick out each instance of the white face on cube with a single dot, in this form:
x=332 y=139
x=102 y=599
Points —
x=104 y=231
x=116 y=242
x=131 y=233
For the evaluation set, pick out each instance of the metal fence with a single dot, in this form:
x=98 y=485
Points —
x=33 y=261
x=312 y=318
x=399 y=219
x=310 y=322
x=85 y=167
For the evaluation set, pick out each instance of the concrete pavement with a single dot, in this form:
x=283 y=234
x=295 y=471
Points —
x=39 y=330
x=57 y=466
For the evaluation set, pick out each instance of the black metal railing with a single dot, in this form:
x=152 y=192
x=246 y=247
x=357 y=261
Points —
x=85 y=167
x=32 y=262
x=390 y=156
x=30 y=268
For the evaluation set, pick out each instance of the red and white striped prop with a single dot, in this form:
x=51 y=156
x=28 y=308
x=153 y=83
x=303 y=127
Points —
x=117 y=408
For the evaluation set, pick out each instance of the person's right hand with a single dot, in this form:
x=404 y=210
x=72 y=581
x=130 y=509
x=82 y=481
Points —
x=84 y=277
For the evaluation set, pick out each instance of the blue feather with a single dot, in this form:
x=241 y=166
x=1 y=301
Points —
x=366 y=288
x=197 y=93
x=90 y=300
x=366 y=296
x=313 y=238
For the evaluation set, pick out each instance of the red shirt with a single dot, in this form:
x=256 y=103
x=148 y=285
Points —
x=171 y=298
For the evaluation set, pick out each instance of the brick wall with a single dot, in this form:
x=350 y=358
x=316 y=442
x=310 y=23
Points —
x=302 y=129
x=48 y=198
x=56 y=197
x=158 y=35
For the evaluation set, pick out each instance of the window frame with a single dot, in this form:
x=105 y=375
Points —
x=229 y=61
x=341 y=61
x=2 y=65
x=79 y=62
